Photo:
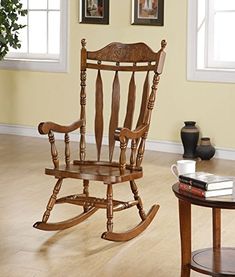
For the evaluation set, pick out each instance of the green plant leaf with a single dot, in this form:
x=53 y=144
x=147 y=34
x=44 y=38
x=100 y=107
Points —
x=10 y=11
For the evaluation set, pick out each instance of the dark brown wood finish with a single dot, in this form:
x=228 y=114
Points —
x=216 y=223
x=185 y=236
x=214 y=261
x=126 y=53
x=145 y=97
x=131 y=103
x=99 y=114
x=120 y=59
x=113 y=125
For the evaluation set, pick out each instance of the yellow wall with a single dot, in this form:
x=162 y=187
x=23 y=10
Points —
x=26 y=98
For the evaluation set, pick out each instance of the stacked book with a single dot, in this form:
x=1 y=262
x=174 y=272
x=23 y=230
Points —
x=205 y=184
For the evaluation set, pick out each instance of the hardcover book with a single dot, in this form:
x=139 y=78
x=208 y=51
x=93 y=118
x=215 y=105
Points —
x=206 y=181
x=204 y=193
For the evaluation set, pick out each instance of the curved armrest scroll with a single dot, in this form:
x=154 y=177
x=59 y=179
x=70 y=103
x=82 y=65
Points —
x=127 y=133
x=45 y=127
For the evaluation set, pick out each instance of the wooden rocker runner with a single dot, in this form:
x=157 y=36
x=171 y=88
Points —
x=141 y=63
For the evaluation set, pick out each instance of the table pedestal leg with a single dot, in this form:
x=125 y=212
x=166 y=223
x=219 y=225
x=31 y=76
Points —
x=216 y=217
x=185 y=235
x=216 y=222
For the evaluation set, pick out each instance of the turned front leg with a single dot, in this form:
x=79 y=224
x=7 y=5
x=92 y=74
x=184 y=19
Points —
x=134 y=190
x=109 y=208
x=86 y=193
x=52 y=200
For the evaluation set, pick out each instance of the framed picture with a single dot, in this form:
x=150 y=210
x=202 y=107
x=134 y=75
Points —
x=148 y=12
x=94 y=11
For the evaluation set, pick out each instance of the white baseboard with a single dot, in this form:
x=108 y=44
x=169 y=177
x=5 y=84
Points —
x=154 y=145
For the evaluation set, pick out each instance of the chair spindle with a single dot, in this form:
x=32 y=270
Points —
x=131 y=102
x=114 y=114
x=99 y=114
x=133 y=153
x=54 y=152
x=145 y=97
x=141 y=149
x=83 y=115
x=67 y=150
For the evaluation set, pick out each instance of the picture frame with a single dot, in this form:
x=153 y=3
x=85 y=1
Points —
x=94 y=11
x=148 y=12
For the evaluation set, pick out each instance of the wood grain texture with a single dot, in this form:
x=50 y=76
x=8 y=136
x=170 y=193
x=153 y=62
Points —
x=115 y=52
x=130 y=58
x=67 y=150
x=135 y=231
x=185 y=235
x=99 y=125
x=216 y=226
x=122 y=68
x=104 y=172
x=27 y=252
x=145 y=96
x=82 y=148
x=130 y=103
x=113 y=124
x=54 y=152
x=65 y=224
x=216 y=260
x=46 y=127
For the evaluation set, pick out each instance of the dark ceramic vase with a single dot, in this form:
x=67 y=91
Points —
x=189 y=136
x=205 y=150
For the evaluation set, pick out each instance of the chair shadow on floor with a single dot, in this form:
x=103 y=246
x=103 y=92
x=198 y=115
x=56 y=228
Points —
x=59 y=236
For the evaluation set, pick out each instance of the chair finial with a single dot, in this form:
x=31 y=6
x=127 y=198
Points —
x=83 y=42
x=163 y=44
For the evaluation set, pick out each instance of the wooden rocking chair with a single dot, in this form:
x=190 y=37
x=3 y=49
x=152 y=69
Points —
x=119 y=58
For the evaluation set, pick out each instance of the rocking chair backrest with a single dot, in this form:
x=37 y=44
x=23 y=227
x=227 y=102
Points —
x=118 y=57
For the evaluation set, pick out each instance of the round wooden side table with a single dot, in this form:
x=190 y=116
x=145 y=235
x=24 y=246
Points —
x=214 y=261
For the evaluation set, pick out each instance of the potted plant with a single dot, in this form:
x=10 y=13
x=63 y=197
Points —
x=10 y=11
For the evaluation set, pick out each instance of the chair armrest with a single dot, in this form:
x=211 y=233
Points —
x=121 y=133
x=45 y=127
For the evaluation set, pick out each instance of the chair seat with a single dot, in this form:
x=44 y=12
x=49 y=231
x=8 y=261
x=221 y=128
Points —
x=98 y=171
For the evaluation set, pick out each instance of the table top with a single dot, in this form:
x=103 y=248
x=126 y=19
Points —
x=223 y=202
